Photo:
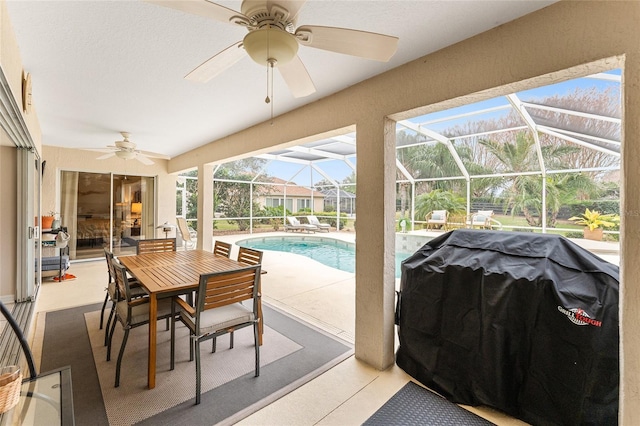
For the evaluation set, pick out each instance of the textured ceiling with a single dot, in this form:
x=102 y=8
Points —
x=101 y=67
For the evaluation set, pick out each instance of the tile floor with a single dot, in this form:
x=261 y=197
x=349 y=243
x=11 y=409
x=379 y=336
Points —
x=347 y=394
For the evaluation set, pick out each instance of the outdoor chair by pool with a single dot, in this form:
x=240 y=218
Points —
x=217 y=311
x=437 y=218
x=188 y=234
x=484 y=219
x=313 y=220
x=295 y=225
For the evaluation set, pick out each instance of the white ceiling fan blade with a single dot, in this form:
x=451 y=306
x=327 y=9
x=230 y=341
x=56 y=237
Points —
x=217 y=64
x=104 y=157
x=98 y=149
x=297 y=78
x=144 y=160
x=203 y=8
x=364 y=44
x=154 y=155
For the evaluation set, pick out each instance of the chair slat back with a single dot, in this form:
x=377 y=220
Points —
x=157 y=245
x=109 y=257
x=120 y=277
x=220 y=248
x=225 y=288
x=249 y=256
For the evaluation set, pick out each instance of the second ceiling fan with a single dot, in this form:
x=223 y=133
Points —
x=273 y=39
x=126 y=150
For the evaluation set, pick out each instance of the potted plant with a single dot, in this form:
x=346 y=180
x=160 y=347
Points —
x=594 y=223
x=47 y=221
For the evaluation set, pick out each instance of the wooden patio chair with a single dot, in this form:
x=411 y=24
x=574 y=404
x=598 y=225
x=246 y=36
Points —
x=217 y=311
x=131 y=312
x=113 y=295
x=157 y=245
x=251 y=256
x=484 y=219
x=437 y=218
x=220 y=248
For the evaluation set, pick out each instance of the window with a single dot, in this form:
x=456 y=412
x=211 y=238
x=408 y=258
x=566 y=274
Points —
x=304 y=204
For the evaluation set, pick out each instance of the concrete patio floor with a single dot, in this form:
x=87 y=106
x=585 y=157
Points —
x=347 y=394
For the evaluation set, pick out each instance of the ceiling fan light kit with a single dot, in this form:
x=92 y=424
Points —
x=268 y=44
x=126 y=155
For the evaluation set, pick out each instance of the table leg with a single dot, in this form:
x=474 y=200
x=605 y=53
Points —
x=153 y=326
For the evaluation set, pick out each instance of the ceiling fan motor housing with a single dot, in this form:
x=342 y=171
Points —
x=126 y=145
x=270 y=40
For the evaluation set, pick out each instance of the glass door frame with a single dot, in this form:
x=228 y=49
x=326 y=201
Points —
x=112 y=207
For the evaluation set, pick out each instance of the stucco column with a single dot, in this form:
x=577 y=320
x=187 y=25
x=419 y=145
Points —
x=630 y=247
x=375 y=241
x=205 y=207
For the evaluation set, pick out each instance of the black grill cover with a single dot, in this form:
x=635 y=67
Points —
x=526 y=323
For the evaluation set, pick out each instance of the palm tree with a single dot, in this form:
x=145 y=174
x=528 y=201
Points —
x=438 y=200
x=524 y=192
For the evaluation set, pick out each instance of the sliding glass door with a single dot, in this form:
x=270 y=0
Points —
x=106 y=210
x=133 y=201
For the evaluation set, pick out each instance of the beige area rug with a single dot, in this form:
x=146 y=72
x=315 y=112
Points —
x=132 y=401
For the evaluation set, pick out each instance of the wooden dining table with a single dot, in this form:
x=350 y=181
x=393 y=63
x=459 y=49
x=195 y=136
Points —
x=169 y=274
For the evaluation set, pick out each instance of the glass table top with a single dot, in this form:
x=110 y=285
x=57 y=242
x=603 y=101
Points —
x=45 y=400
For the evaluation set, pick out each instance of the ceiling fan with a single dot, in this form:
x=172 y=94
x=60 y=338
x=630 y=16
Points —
x=126 y=150
x=273 y=40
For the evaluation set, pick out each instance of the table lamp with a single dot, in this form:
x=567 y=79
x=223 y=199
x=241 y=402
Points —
x=166 y=227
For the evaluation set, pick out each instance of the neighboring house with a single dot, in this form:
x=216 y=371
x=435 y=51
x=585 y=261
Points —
x=347 y=200
x=290 y=195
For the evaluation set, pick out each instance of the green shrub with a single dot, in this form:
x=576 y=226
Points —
x=603 y=206
x=574 y=234
x=332 y=218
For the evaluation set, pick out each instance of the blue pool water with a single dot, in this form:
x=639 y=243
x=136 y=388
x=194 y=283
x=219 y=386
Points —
x=336 y=254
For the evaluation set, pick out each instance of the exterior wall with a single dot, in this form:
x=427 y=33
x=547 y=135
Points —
x=318 y=203
x=562 y=41
x=59 y=159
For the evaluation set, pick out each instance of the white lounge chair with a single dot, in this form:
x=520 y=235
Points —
x=315 y=222
x=295 y=225
x=187 y=233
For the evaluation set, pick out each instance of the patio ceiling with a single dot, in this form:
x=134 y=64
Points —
x=120 y=65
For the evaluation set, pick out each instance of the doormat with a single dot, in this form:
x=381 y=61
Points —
x=415 y=405
x=66 y=277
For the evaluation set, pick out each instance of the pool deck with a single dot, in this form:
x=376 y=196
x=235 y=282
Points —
x=287 y=285
x=291 y=286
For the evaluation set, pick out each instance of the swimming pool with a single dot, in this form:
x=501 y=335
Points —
x=334 y=253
